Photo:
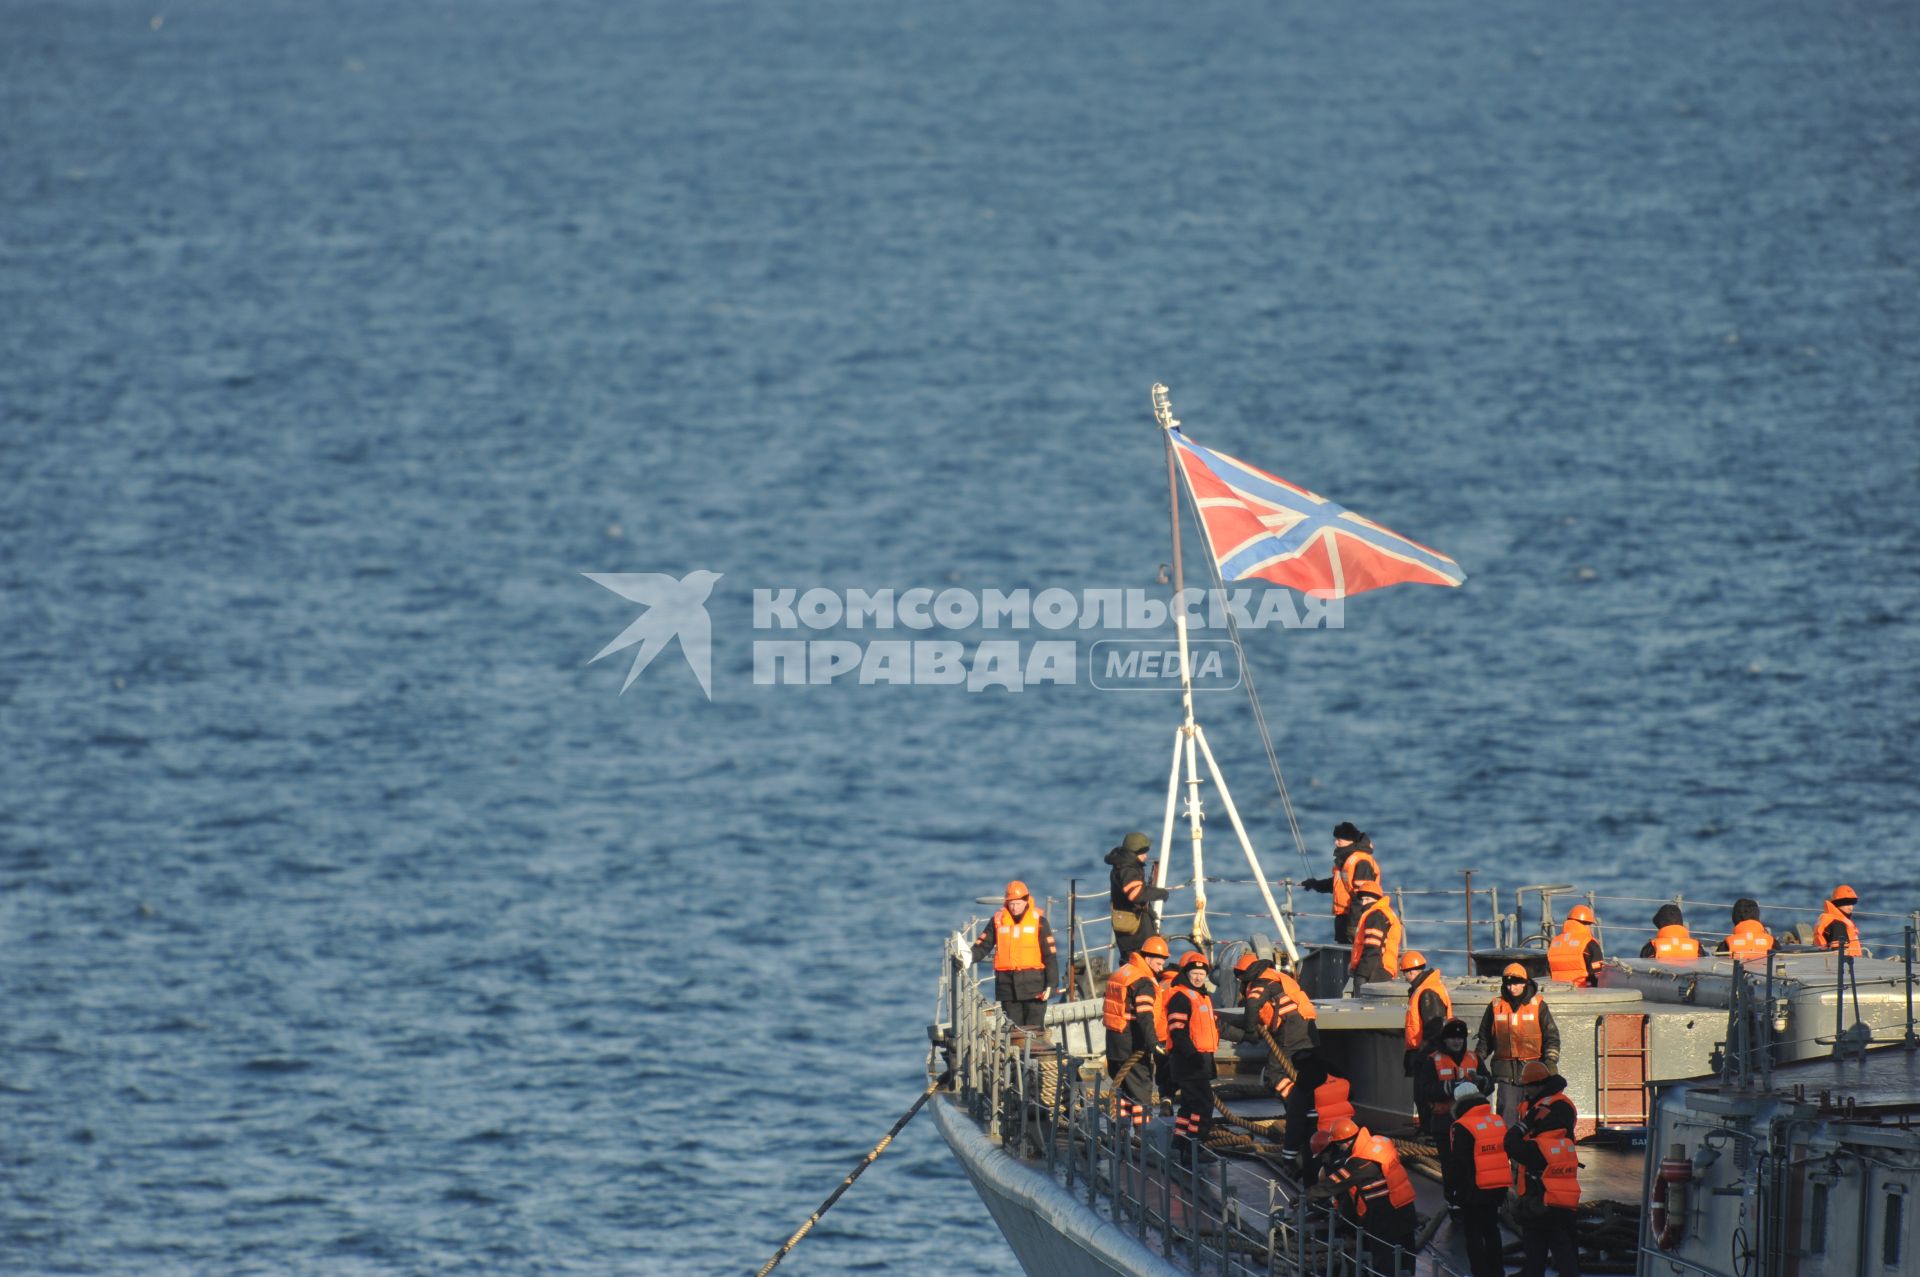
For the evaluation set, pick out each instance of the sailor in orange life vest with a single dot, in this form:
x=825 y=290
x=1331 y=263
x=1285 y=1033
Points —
x=1316 y=1150
x=1162 y=1065
x=1130 y=896
x=1546 y=1176
x=1474 y=1170
x=1274 y=1001
x=1516 y=1028
x=1429 y=1006
x=1835 y=930
x=1574 y=956
x=1192 y=1038
x=1377 y=936
x=1749 y=938
x=1439 y=1073
x=1672 y=942
x=1021 y=943
x=1130 y=1015
x=1353 y=861
x=1379 y=1195
x=1544 y=1103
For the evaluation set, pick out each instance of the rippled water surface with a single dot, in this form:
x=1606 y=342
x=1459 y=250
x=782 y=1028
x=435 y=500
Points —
x=351 y=922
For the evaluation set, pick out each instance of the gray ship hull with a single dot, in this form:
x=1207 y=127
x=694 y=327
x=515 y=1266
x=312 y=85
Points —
x=1053 y=1233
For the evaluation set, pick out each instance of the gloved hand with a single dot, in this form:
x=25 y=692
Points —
x=1320 y=1192
x=1046 y=994
x=957 y=946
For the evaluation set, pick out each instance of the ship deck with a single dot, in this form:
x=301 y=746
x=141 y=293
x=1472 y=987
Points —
x=1607 y=1173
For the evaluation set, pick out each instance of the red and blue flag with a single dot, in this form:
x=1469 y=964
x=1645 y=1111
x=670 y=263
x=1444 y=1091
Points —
x=1259 y=525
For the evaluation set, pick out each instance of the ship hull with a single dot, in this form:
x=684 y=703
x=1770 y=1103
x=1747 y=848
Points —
x=1053 y=1233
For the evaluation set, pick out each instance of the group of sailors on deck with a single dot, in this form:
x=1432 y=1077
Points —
x=1497 y=1111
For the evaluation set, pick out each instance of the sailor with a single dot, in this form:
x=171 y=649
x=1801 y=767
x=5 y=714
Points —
x=1131 y=896
x=1367 y=1169
x=1836 y=929
x=1544 y=1103
x=1546 y=1185
x=1279 y=1012
x=1130 y=1016
x=1429 y=1006
x=1749 y=938
x=1316 y=1151
x=1672 y=942
x=1021 y=943
x=1475 y=1171
x=1192 y=1037
x=1439 y=1072
x=1353 y=860
x=1163 y=1066
x=1377 y=935
x=1574 y=956
x=1517 y=1027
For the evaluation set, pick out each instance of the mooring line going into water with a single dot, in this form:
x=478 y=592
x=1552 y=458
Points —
x=847 y=1183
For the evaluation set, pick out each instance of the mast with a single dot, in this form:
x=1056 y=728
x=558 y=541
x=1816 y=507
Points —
x=1184 y=740
x=1190 y=740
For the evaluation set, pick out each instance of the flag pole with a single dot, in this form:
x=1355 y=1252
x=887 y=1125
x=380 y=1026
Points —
x=1189 y=734
x=1163 y=414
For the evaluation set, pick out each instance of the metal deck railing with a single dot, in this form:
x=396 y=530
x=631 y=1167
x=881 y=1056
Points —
x=1481 y=917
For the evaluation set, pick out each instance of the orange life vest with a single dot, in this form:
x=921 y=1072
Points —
x=1430 y=982
x=1451 y=1074
x=1516 y=1030
x=1194 y=1013
x=1289 y=998
x=1675 y=944
x=1390 y=943
x=1560 y=1181
x=1164 y=987
x=1117 y=1014
x=1537 y=1111
x=1567 y=955
x=1829 y=915
x=1749 y=940
x=1331 y=1102
x=1396 y=1189
x=1488 y=1131
x=1349 y=873
x=1016 y=943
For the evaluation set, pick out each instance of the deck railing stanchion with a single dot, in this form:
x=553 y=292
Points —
x=1468 y=874
x=1073 y=923
x=1906 y=958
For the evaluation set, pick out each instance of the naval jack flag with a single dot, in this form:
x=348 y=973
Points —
x=1259 y=525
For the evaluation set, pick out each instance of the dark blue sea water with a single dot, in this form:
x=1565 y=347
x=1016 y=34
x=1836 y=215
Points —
x=352 y=923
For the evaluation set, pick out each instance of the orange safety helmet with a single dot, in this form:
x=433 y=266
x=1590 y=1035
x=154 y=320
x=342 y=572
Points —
x=1155 y=947
x=1534 y=1071
x=1514 y=971
x=1367 y=886
x=1318 y=1144
x=1412 y=960
x=1195 y=958
x=1245 y=960
x=1017 y=890
x=1842 y=894
x=1580 y=913
x=1343 y=1130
